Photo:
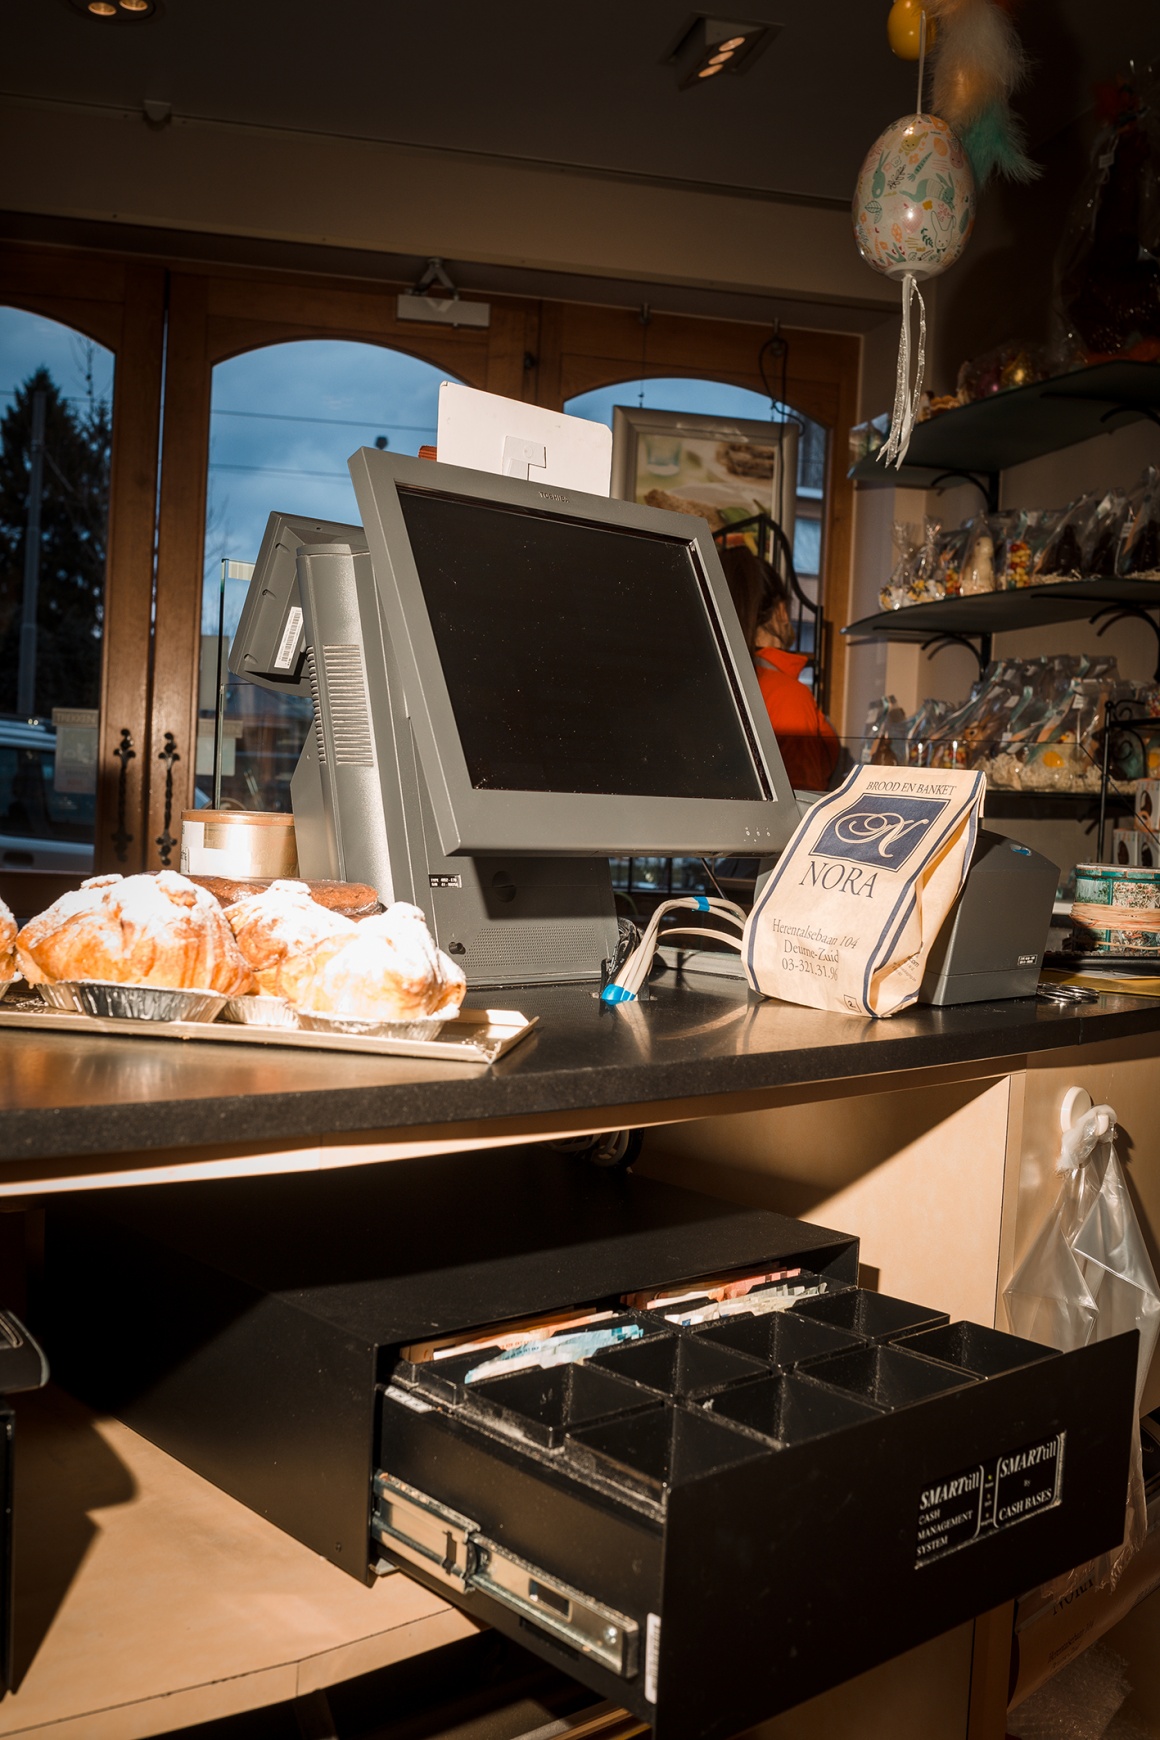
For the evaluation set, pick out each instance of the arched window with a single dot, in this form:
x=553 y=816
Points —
x=678 y=469
x=283 y=422
x=56 y=389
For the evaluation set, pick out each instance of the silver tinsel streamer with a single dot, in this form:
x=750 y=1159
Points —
x=906 y=395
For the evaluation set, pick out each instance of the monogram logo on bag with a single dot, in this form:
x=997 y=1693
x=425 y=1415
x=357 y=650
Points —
x=885 y=833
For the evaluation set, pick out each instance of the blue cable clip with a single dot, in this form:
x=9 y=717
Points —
x=617 y=994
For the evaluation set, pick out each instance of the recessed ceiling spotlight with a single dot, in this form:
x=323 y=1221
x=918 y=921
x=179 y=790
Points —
x=707 y=46
x=111 y=12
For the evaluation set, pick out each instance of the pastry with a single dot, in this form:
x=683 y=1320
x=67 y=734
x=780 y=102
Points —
x=682 y=504
x=135 y=930
x=387 y=969
x=354 y=899
x=278 y=923
x=8 y=967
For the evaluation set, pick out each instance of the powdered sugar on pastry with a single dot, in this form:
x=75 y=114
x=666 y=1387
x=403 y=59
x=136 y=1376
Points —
x=8 y=968
x=389 y=970
x=280 y=923
x=135 y=930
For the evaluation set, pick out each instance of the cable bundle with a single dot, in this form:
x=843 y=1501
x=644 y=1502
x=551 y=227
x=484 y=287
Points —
x=624 y=986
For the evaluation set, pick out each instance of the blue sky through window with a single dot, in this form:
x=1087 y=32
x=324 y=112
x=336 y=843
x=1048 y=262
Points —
x=29 y=340
x=283 y=423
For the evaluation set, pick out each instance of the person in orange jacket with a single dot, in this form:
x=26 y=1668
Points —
x=808 y=743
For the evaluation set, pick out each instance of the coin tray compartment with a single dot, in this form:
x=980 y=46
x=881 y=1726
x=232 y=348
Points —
x=984 y=1352
x=544 y=1404
x=888 y=1378
x=876 y=1316
x=789 y=1409
x=678 y=1365
x=657 y=1450
x=780 y=1338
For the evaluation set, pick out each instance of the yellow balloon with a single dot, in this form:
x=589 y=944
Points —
x=903 y=28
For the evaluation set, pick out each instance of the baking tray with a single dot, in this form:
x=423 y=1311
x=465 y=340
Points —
x=1089 y=961
x=474 y=1036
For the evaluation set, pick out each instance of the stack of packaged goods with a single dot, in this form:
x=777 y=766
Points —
x=1105 y=535
x=1030 y=724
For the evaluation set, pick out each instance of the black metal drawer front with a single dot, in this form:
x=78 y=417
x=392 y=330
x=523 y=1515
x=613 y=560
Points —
x=768 y=1525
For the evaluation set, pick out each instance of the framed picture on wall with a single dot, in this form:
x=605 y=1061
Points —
x=723 y=468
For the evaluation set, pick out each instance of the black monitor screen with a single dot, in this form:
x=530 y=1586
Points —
x=578 y=658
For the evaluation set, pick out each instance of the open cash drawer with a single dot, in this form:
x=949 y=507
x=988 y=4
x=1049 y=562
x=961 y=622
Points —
x=707 y=1519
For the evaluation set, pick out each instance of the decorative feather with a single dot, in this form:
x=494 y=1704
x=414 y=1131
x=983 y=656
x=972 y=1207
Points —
x=994 y=141
x=977 y=62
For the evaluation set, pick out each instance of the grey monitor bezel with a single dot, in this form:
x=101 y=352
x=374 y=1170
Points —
x=273 y=591
x=490 y=821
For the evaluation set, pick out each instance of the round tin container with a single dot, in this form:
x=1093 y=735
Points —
x=1116 y=885
x=244 y=844
x=1117 y=888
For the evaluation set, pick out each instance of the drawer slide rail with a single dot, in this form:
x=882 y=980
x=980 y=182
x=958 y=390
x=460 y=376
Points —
x=449 y=1546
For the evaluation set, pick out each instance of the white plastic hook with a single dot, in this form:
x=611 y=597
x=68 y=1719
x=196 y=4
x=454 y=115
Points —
x=1077 y=1103
x=1084 y=1127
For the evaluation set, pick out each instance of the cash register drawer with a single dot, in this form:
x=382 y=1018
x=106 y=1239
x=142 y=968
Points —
x=710 y=1525
x=706 y=1523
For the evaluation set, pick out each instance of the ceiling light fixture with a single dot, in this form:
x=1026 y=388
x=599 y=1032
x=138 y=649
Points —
x=109 y=13
x=706 y=46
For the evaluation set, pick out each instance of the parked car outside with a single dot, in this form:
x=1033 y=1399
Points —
x=40 y=828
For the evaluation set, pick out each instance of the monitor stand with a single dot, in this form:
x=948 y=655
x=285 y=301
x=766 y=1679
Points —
x=362 y=813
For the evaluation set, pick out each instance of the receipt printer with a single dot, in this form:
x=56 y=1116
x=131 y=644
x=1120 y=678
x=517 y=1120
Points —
x=992 y=943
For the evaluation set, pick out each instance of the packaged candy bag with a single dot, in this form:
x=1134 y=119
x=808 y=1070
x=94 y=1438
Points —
x=1061 y=557
x=977 y=573
x=897 y=590
x=1104 y=534
x=1139 y=554
x=848 y=918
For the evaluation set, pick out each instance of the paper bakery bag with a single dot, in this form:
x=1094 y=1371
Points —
x=849 y=915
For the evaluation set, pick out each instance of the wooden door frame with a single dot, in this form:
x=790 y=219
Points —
x=584 y=347
x=219 y=313
x=121 y=305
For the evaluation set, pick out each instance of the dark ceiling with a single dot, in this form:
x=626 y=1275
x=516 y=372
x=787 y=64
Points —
x=581 y=85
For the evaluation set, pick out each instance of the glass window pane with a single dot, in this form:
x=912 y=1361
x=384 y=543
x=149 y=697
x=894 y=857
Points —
x=55 y=439
x=722 y=399
x=283 y=422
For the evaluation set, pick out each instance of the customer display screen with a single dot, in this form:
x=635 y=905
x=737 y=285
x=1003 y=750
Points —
x=578 y=658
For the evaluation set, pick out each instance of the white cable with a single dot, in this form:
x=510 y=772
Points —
x=625 y=985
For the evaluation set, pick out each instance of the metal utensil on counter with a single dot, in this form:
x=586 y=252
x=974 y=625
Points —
x=1065 y=994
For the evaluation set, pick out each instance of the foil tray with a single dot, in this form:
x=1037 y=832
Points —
x=142 y=1002
x=478 y=1036
x=426 y=1027
x=259 y=1011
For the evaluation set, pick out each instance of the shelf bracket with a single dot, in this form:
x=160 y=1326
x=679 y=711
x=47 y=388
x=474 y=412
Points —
x=1117 y=613
x=986 y=482
x=1131 y=410
x=979 y=644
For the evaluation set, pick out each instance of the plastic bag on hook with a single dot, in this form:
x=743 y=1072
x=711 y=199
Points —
x=1088 y=1277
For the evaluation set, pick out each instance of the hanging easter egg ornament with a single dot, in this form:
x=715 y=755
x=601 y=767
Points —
x=913 y=210
x=904 y=29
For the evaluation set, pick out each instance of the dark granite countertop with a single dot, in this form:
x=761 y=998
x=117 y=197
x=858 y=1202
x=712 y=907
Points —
x=61 y=1095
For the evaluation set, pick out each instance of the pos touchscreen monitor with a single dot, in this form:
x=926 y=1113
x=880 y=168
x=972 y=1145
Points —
x=512 y=683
